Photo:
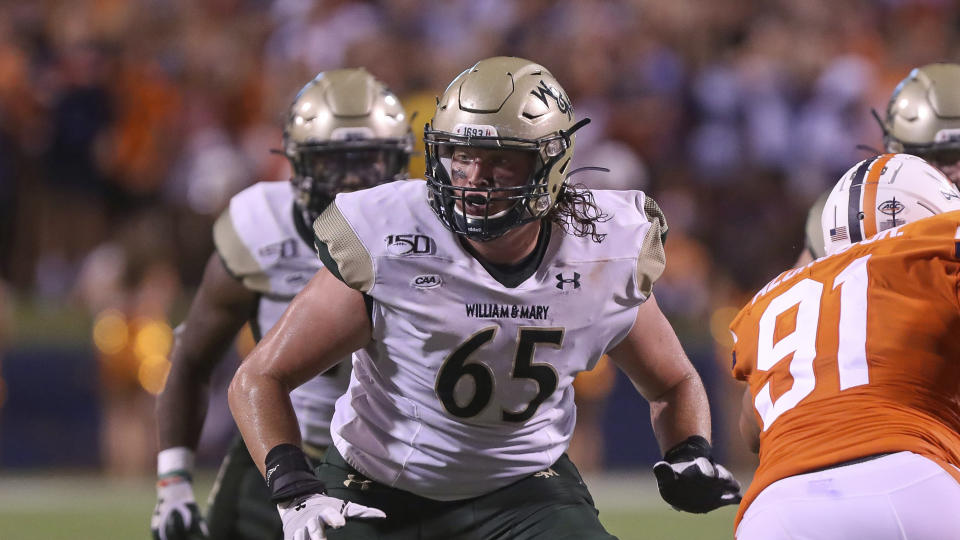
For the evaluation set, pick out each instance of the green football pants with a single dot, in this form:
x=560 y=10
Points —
x=550 y=505
x=239 y=507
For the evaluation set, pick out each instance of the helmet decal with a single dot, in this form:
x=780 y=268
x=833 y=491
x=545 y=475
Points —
x=563 y=103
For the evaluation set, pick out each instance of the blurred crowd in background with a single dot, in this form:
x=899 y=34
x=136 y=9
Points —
x=126 y=126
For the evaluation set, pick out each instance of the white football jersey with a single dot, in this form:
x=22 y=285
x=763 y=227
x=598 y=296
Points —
x=258 y=240
x=466 y=384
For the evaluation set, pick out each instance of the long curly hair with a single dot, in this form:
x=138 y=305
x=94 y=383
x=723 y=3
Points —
x=577 y=213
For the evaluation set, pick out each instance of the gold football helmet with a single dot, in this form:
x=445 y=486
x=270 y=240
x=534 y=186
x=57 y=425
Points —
x=344 y=131
x=923 y=115
x=500 y=103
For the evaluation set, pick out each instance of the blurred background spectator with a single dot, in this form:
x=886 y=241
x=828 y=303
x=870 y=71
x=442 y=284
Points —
x=126 y=125
x=129 y=285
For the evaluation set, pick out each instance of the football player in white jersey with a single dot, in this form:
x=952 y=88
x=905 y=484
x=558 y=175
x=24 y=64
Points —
x=344 y=131
x=922 y=119
x=472 y=299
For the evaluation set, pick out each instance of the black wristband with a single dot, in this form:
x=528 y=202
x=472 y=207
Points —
x=289 y=473
x=689 y=449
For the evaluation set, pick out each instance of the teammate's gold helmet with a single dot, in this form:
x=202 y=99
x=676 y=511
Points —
x=344 y=131
x=923 y=115
x=501 y=103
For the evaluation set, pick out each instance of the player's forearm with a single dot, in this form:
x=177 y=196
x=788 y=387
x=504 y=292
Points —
x=680 y=412
x=216 y=315
x=262 y=410
x=182 y=407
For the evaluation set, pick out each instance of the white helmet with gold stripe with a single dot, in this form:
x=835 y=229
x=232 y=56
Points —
x=882 y=192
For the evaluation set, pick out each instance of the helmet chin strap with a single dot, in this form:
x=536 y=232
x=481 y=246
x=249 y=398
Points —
x=485 y=228
x=479 y=218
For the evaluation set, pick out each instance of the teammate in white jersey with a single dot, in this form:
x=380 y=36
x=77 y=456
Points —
x=344 y=131
x=486 y=289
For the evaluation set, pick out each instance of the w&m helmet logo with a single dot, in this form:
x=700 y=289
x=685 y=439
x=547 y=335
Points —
x=563 y=282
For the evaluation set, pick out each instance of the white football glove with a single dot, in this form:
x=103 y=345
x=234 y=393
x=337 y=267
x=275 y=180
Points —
x=176 y=516
x=305 y=518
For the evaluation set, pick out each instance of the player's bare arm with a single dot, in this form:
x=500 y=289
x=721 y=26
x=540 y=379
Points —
x=216 y=314
x=652 y=357
x=291 y=353
x=220 y=309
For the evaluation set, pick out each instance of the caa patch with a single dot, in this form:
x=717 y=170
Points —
x=426 y=281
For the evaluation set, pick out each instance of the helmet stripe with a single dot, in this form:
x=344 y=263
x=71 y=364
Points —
x=870 y=195
x=853 y=207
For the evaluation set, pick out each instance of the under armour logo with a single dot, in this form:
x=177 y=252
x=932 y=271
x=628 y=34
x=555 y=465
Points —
x=562 y=281
x=301 y=505
x=353 y=481
x=549 y=473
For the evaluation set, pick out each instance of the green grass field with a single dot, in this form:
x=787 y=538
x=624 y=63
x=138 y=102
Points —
x=63 y=506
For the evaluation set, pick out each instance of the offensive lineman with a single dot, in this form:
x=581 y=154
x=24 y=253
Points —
x=854 y=390
x=472 y=300
x=923 y=119
x=344 y=131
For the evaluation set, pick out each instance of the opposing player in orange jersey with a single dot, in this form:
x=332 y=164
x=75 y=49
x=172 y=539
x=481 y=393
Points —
x=853 y=365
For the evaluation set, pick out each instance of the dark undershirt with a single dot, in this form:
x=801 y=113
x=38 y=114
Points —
x=513 y=274
x=305 y=230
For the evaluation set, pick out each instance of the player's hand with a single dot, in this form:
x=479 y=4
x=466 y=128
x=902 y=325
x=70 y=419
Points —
x=691 y=481
x=305 y=517
x=177 y=516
